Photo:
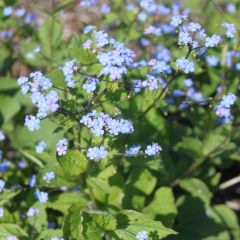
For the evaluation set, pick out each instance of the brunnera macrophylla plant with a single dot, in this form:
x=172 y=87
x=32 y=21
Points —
x=115 y=108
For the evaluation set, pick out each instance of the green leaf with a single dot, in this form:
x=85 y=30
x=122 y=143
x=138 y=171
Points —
x=96 y=223
x=141 y=184
x=131 y=222
x=8 y=107
x=7 y=195
x=48 y=234
x=29 y=156
x=229 y=219
x=8 y=83
x=50 y=35
x=40 y=221
x=82 y=55
x=197 y=188
x=74 y=162
x=162 y=206
x=198 y=221
x=72 y=227
x=64 y=201
x=8 y=229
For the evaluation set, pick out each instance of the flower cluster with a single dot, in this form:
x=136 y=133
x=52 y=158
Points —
x=113 y=55
x=223 y=108
x=46 y=101
x=152 y=83
x=97 y=153
x=68 y=70
x=185 y=65
x=194 y=36
x=230 y=29
x=62 y=146
x=91 y=84
x=99 y=123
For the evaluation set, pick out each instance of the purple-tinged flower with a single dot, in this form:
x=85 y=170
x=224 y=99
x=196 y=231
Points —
x=62 y=146
x=222 y=111
x=153 y=30
x=87 y=44
x=12 y=238
x=230 y=29
x=153 y=149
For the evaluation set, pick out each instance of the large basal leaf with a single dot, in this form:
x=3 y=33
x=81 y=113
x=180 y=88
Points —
x=74 y=162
